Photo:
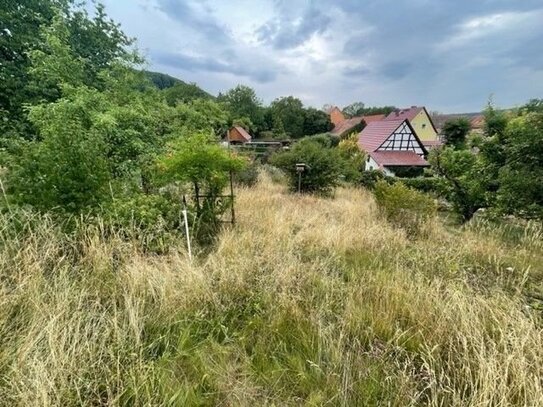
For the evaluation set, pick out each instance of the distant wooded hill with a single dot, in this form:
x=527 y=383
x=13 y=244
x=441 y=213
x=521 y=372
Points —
x=176 y=88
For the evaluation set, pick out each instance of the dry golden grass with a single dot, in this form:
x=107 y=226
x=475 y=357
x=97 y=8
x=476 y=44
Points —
x=307 y=301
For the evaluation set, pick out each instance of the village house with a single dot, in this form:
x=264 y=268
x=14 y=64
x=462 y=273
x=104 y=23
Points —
x=392 y=146
x=421 y=122
x=344 y=126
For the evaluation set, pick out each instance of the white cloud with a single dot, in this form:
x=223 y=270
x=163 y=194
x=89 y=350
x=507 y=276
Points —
x=511 y=23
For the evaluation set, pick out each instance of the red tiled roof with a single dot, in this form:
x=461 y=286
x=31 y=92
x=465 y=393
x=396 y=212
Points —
x=346 y=125
x=243 y=133
x=398 y=159
x=375 y=133
x=373 y=118
x=409 y=113
x=478 y=122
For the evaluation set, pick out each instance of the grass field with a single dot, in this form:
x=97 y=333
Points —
x=307 y=301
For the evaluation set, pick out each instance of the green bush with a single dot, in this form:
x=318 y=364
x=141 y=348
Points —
x=405 y=207
x=325 y=139
x=325 y=166
x=426 y=184
x=277 y=176
x=153 y=220
x=368 y=179
x=247 y=176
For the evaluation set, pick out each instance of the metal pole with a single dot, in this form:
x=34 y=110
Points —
x=299 y=181
x=185 y=219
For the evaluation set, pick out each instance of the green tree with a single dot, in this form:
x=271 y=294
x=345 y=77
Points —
x=354 y=109
x=242 y=101
x=201 y=162
x=69 y=169
x=495 y=121
x=290 y=111
x=354 y=157
x=278 y=129
x=316 y=122
x=360 y=109
x=182 y=92
x=96 y=42
x=19 y=33
x=324 y=171
x=533 y=106
x=455 y=132
x=89 y=140
x=521 y=177
x=466 y=189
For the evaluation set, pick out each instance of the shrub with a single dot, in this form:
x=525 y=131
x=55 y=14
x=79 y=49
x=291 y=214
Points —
x=355 y=158
x=426 y=184
x=197 y=160
x=276 y=175
x=325 y=166
x=368 y=179
x=325 y=139
x=248 y=176
x=153 y=220
x=405 y=207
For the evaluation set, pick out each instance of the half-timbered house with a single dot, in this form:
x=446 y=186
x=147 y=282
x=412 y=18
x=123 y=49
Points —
x=421 y=122
x=392 y=145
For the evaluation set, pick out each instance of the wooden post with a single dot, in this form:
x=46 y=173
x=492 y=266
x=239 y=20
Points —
x=232 y=198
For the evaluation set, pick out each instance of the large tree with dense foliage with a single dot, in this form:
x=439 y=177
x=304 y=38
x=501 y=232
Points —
x=94 y=142
x=94 y=41
x=316 y=122
x=455 y=131
x=290 y=112
x=465 y=189
x=521 y=176
x=242 y=102
x=360 y=109
x=504 y=172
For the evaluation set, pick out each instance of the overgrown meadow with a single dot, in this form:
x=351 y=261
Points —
x=306 y=301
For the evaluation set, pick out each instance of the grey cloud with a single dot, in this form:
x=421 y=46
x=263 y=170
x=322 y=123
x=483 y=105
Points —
x=186 y=13
x=387 y=51
x=355 y=71
x=195 y=64
x=286 y=33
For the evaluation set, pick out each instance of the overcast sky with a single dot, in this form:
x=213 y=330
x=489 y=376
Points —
x=448 y=55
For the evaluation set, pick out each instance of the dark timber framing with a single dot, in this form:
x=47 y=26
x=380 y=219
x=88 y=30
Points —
x=404 y=138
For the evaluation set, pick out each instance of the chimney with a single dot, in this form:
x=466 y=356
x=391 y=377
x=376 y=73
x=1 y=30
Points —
x=412 y=107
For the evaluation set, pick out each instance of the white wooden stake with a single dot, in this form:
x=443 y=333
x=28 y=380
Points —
x=186 y=220
x=187 y=232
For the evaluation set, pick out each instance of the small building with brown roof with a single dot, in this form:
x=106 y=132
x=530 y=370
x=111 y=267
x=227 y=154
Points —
x=392 y=144
x=238 y=135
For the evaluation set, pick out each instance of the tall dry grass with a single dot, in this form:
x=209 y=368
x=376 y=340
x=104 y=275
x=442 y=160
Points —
x=307 y=301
